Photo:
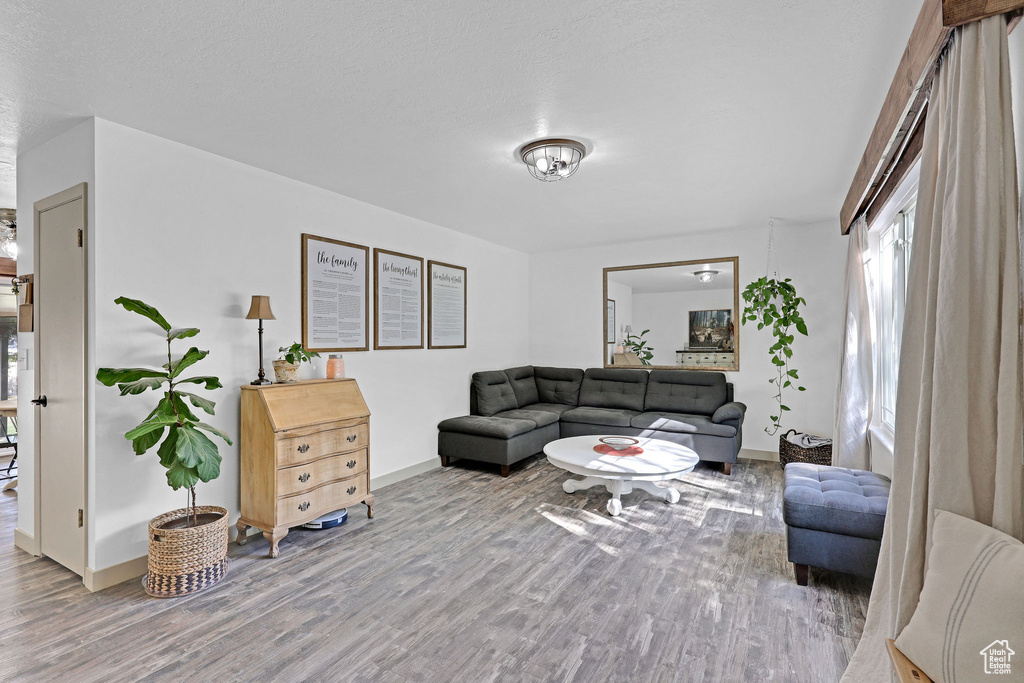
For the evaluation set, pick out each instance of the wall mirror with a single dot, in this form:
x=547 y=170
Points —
x=690 y=307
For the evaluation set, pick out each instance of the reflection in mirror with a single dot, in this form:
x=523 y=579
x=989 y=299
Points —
x=688 y=309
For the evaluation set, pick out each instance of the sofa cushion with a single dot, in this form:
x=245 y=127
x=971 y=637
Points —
x=493 y=392
x=681 y=391
x=622 y=389
x=541 y=418
x=835 y=499
x=733 y=410
x=523 y=385
x=604 y=417
x=496 y=427
x=556 y=408
x=681 y=424
x=558 y=385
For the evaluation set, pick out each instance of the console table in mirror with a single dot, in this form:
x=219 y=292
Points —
x=690 y=310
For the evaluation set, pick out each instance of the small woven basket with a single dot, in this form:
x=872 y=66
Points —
x=184 y=561
x=789 y=452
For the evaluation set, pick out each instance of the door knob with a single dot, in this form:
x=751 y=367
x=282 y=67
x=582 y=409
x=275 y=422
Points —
x=41 y=401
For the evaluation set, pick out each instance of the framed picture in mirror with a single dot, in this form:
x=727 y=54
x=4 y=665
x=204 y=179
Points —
x=674 y=315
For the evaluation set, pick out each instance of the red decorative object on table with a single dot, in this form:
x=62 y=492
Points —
x=604 y=449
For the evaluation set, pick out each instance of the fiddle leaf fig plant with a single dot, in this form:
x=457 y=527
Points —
x=187 y=453
x=773 y=302
x=638 y=345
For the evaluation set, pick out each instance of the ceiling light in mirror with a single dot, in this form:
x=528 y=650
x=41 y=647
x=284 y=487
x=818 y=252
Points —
x=706 y=275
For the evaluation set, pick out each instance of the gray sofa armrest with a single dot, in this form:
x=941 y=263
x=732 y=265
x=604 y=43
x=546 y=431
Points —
x=733 y=410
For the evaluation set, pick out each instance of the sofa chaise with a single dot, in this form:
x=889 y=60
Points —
x=514 y=413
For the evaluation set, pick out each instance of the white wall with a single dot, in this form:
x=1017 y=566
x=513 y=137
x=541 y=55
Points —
x=60 y=163
x=565 y=290
x=667 y=315
x=196 y=235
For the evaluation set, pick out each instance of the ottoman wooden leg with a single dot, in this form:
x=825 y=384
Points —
x=445 y=461
x=801 y=574
x=504 y=470
x=727 y=468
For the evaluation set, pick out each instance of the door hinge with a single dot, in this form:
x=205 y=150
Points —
x=79 y=244
x=81 y=518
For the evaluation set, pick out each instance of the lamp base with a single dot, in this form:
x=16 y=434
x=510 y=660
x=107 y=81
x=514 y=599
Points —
x=260 y=382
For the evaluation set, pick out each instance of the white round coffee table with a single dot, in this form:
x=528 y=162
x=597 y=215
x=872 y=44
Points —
x=660 y=461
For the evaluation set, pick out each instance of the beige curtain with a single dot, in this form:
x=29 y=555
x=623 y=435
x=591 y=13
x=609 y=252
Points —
x=958 y=410
x=851 y=442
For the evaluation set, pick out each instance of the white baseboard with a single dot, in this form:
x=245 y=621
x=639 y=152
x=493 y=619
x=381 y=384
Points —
x=754 y=454
x=404 y=473
x=26 y=542
x=98 y=579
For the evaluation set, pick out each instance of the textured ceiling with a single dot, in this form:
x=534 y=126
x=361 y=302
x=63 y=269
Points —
x=696 y=115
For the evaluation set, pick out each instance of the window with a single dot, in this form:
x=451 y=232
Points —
x=893 y=264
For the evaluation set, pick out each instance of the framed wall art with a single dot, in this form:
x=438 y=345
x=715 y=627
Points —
x=397 y=300
x=335 y=295
x=446 y=306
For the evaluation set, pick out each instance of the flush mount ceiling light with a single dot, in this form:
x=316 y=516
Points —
x=553 y=159
x=706 y=275
x=9 y=232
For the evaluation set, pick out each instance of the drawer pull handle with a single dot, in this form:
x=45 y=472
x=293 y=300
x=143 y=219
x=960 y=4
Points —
x=304 y=477
x=303 y=506
x=303 y=448
x=351 y=437
x=351 y=464
x=351 y=490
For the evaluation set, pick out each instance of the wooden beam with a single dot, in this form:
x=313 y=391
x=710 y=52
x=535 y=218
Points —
x=893 y=178
x=958 y=12
x=913 y=75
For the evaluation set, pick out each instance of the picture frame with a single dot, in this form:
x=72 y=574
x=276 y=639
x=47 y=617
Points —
x=712 y=329
x=397 y=290
x=335 y=299
x=447 y=304
x=610 y=326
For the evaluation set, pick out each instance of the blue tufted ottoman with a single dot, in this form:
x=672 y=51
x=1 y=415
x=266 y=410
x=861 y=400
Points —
x=834 y=518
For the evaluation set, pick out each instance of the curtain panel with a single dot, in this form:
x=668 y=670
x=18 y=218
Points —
x=958 y=410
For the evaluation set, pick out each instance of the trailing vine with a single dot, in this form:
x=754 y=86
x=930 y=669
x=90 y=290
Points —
x=774 y=302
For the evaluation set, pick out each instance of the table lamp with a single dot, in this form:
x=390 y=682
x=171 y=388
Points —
x=260 y=310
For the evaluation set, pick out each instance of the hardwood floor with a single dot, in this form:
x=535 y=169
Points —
x=465 y=576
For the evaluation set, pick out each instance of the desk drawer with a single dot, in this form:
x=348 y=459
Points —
x=298 y=478
x=298 y=509
x=299 y=449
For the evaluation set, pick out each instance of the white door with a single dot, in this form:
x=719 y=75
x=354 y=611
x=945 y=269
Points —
x=60 y=375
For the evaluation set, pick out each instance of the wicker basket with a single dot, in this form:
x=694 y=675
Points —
x=789 y=452
x=184 y=561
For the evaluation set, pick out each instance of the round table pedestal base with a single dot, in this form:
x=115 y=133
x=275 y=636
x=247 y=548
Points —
x=620 y=486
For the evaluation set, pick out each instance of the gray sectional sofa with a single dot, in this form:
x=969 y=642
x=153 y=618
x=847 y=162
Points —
x=516 y=412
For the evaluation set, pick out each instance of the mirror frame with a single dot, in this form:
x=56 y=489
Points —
x=734 y=260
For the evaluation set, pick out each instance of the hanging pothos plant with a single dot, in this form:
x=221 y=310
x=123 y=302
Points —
x=773 y=302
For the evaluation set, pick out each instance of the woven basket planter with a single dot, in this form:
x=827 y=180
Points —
x=184 y=561
x=789 y=452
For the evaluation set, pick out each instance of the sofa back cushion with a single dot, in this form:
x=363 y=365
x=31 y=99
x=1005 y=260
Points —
x=558 y=385
x=623 y=389
x=493 y=393
x=523 y=385
x=679 y=391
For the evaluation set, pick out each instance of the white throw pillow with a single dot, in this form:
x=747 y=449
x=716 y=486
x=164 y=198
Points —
x=969 y=623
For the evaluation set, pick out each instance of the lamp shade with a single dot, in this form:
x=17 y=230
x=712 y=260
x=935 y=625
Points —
x=260 y=309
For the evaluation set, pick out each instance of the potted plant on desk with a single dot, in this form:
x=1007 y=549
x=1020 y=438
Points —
x=187 y=547
x=287 y=366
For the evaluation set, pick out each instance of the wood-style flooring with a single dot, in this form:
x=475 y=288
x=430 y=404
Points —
x=465 y=576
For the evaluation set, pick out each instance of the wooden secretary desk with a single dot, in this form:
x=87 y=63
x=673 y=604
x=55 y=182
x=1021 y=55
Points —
x=305 y=451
